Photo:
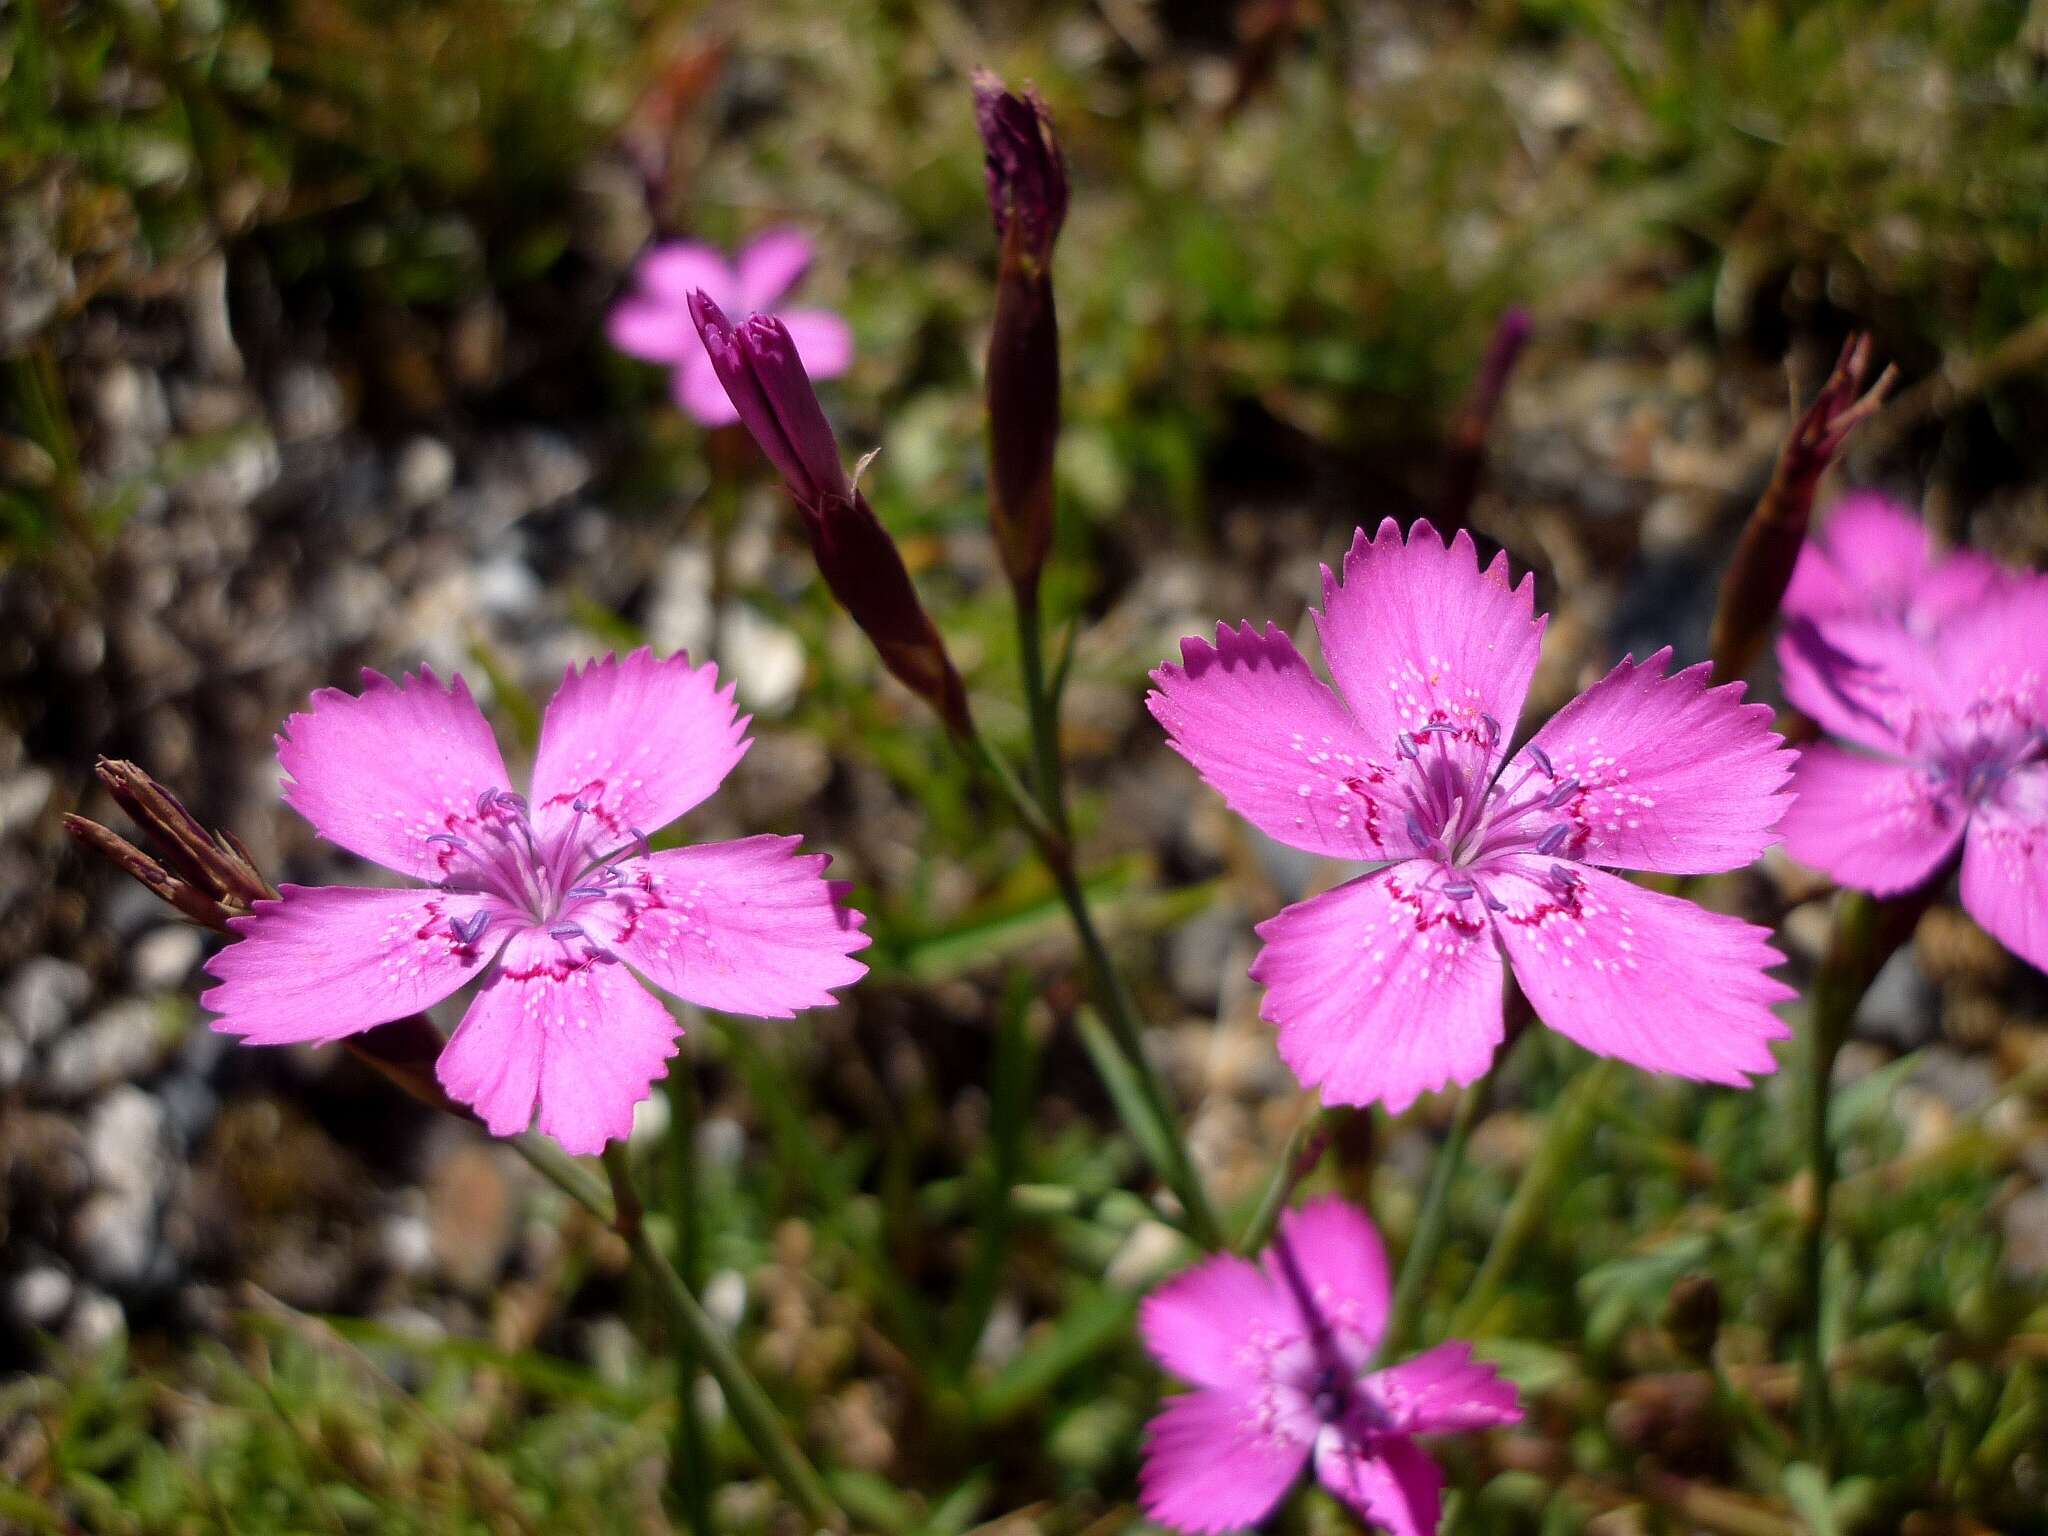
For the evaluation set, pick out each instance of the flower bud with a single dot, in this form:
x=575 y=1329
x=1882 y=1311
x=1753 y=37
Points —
x=1027 y=193
x=1692 y=1316
x=758 y=365
x=1762 y=569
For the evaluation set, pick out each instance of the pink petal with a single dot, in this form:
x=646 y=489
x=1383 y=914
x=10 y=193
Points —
x=1674 y=776
x=675 y=270
x=1868 y=558
x=1386 y=1478
x=746 y=927
x=1865 y=680
x=1870 y=823
x=1381 y=989
x=1989 y=673
x=1650 y=979
x=768 y=267
x=2005 y=865
x=824 y=342
x=697 y=392
x=382 y=773
x=327 y=961
x=1204 y=1324
x=1443 y=1391
x=654 y=330
x=637 y=741
x=1417 y=632
x=572 y=1032
x=1955 y=584
x=1343 y=1264
x=1209 y=1466
x=1270 y=737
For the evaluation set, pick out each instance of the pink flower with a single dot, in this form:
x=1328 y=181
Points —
x=1279 y=1353
x=653 y=321
x=1390 y=986
x=554 y=900
x=1874 y=560
x=1936 y=672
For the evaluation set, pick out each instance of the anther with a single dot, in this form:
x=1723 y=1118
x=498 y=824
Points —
x=470 y=929
x=1459 y=890
x=450 y=839
x=1542 y=760
x=1405 y=745
x=566 y=931
x=640 y=841
x=1437 y=728
x=1558 y=796
x=1554 y=839
x=1492 y=729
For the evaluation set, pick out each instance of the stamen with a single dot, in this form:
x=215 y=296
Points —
x=1558 y=796
x=1492 y=730
x=566 y=931
x=640 y=841
x=1405 y=745
x=1437 y=728
x=1494 y=903
x=1459 y=890
x=470 y=929
x=1564 y=875
x=1554 y=839
x=593 y=892
x=460 y=845
x=1542 y=760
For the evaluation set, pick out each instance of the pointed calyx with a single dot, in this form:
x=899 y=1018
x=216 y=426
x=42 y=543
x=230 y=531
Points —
x=758 y=364
x=210 y=877
x=1027 y=194
x=206 y=875
x=1762 y=569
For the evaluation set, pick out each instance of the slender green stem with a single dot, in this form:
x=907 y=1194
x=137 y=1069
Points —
x=1119 y=1008
x=1304 y=1149
x=565 y=1173
x=750 y=1407
x=692 y=1473
x=1434 y=1219
x=1866 y=933
x=1570 y=1122
x=1044 y=711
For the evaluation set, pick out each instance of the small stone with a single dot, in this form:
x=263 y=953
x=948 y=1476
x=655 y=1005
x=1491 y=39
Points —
x=471 y=1216
x=2026 y=1235
x=767 y=660
x=96 y=1322
x=164 y=957
x=407 y=1243
x=117 y=1043
x=425 y=472
x=22 y=798
x=679 y=614
x=1198 y=952
x=308 y=403
x=115 y=1238
x=124 y=1142
x=37 y=1298
x=507 y=587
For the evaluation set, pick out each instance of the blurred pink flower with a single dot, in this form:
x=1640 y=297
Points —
x=1873 y=558
x=1389 y=986
x=542 y=898
x=653 y=321
x=1279 y=1355
x=1936 y=671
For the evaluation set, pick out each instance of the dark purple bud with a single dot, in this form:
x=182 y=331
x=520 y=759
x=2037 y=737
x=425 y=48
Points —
x=1027 y=191
x=1027 y=180
x=758 y=365
x=1755 y=585
x=1466 y=458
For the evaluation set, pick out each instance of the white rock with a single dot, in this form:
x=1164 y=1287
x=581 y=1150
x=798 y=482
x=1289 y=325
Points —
x=164 y=957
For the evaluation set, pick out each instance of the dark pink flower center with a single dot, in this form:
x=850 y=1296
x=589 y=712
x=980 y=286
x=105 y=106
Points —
x=553 y=881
